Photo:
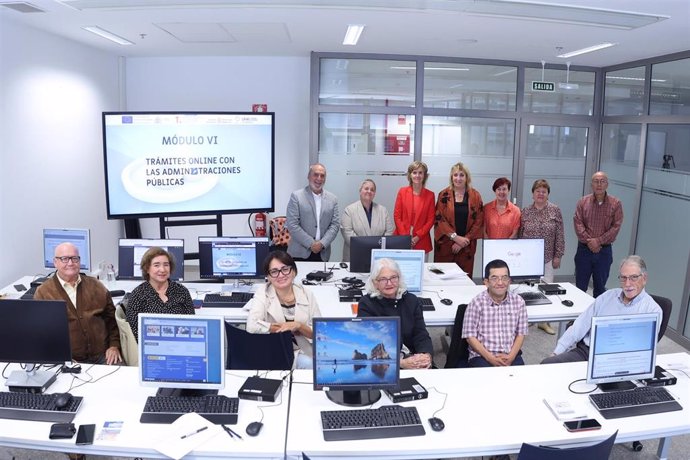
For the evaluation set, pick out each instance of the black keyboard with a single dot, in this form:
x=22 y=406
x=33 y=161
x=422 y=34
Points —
x=534 y=298
x=217 y=409
x=639 y=401
x=427 y=304
x=29 y=294
x=384 y=422
x=38 y=407
x=349 y=295
x=234 y=300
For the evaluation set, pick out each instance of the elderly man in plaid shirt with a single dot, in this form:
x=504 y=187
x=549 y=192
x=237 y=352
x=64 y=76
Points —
x=495 y=322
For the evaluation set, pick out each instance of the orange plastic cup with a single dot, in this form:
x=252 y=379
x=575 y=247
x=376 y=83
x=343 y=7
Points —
x=355 y=308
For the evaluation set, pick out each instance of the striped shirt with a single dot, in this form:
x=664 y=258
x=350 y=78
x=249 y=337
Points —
x=495 y=325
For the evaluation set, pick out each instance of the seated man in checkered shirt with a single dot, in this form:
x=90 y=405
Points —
x=495 y=322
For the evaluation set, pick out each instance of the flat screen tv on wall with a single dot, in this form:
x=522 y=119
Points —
x=188 y=163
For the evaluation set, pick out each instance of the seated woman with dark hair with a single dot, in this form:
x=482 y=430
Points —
x=157 y=294
x=281 y=305
x=387 y=296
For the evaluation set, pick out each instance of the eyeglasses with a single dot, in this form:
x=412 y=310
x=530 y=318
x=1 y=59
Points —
x=280 y=271
x=632 y=278
x=600 y=181
x=496 y=279
x=393 y=279
x=67 y=259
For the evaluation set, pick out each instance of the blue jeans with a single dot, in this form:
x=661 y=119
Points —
x=597 y=266
x=478 y=361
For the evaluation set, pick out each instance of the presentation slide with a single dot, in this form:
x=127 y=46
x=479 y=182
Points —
x=188 y=163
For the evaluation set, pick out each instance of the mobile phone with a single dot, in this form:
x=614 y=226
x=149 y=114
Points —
x=582 y=425
x=85 y=434
x=20 y=287
x=438 y=271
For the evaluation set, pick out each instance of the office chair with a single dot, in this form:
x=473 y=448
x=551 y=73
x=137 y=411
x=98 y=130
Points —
x=128 y=344
x=458 y=351
x=599 y=451
x=258 y=351
x=666 y=305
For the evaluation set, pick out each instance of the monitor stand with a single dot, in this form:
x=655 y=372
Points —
x=617 y=386
x=235 y=286
x=354 y=398
x=184 y=392
x=31 y=380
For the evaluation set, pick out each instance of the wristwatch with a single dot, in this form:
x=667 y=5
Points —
x=453 y=235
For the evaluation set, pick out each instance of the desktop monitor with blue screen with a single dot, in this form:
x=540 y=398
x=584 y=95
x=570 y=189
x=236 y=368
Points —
x=361 y=247
x=182 y=355
x=232 y=257
x=622 y=348
x=525 y=257
x=77 y=236
x=33 y=333
x=354 y=358
x=411 y=263
x=130 y=251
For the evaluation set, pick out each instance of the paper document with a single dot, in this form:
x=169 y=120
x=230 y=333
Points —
x=185 y=434
x=565 y=409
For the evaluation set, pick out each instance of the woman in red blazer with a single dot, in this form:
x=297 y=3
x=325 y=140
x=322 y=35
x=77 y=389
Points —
x=414 y=208
x=459 y=220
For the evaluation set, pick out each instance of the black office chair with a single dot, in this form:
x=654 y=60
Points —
x=600 y=451
x=666 y=305
x=272 y=352
x=458 y=351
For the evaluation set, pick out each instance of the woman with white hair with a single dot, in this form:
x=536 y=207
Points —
x=387 y=296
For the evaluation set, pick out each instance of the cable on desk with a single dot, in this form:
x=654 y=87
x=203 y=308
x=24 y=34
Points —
x=445 y=397
x=570 y=387
x=84 y=382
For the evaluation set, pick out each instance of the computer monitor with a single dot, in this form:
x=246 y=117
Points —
x=525 y=257
x=622 y=348
x=361 y=247
x=232 y=257
x=182 y=355
x=130 y=251
x=77 y=236
x=33 y=332
x=411 y=263
x=354 y=358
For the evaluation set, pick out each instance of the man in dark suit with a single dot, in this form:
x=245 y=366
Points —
x=313 y=218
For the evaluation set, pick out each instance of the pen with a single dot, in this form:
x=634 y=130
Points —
x=194 y=432
x=230 y=432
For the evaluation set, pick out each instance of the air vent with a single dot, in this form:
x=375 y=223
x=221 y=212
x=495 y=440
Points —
x=22 y=7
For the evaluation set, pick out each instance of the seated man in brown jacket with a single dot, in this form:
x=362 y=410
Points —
x=93 y=331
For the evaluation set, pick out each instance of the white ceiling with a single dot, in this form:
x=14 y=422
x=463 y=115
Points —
x=417 y=27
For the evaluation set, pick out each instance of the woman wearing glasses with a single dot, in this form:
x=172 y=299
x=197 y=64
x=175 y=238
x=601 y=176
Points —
x=281 y=305
x=157 y=294
x=387 y=296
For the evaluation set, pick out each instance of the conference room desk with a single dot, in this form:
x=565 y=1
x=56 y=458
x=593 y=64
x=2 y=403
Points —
x=330 y=305
x=452 y=274
x=488 y=411
x=119 y=397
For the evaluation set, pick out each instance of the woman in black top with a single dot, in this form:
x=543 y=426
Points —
x=387 y=296
x=157 y=294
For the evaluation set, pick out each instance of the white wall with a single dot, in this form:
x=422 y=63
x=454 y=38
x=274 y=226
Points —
x=231 y=84
x=52 y=92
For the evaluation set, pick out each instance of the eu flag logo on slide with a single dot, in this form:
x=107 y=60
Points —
x=127 y=119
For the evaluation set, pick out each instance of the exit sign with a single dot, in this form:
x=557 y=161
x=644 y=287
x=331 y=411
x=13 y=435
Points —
x=543 y=86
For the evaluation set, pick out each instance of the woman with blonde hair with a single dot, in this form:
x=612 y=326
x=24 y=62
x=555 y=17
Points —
x=414 y=208
x=459 y=220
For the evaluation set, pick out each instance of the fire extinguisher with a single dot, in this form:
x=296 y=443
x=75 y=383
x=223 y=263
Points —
x=260 y=224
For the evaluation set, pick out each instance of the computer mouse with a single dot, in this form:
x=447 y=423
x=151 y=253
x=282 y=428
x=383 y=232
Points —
x=343 y=265
x=567 y=303
x=446 y=302
x=62 y=400
x=254 y=428
x=436 y=424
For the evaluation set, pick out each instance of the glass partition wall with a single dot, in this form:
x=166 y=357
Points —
x=373 y=115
